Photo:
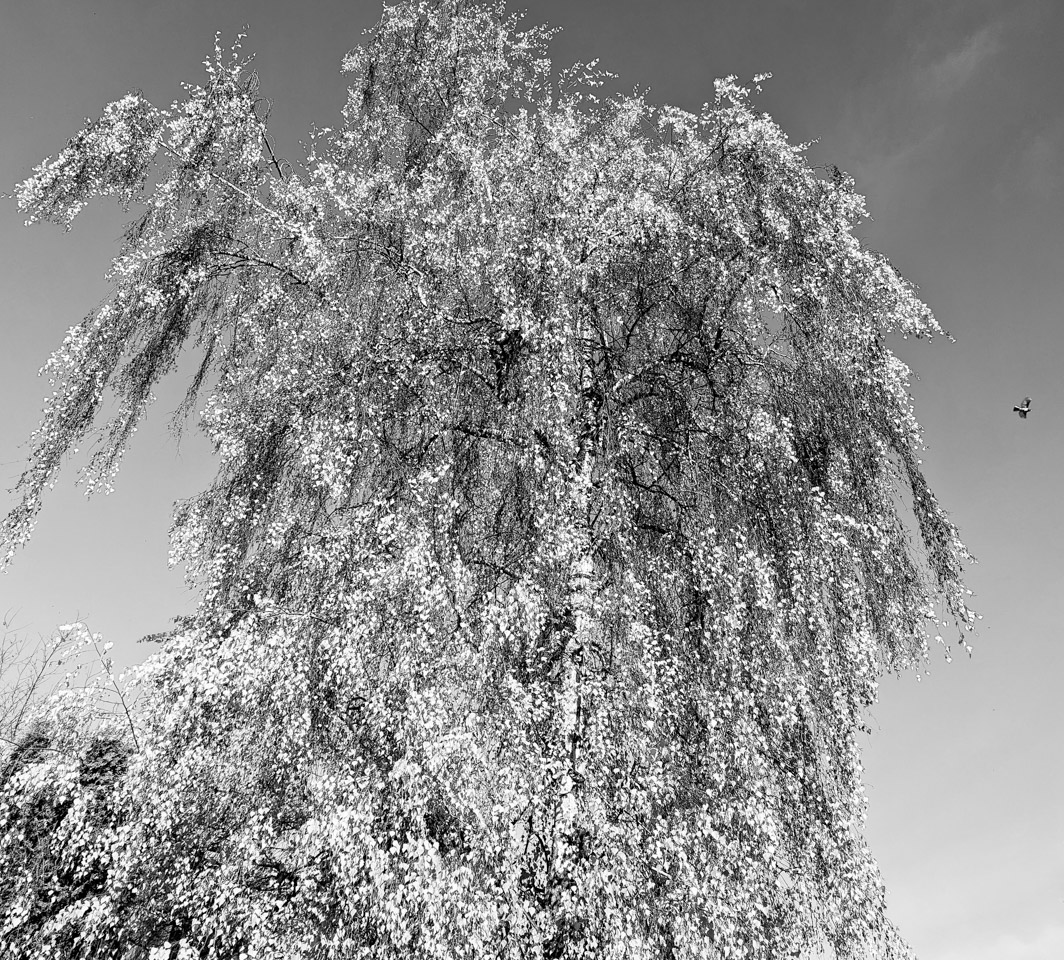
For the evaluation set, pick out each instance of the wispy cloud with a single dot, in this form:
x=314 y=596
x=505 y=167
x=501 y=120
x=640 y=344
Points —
x=942 y=78
x=1036 y=167
x=902 y=116
x=1046 y=943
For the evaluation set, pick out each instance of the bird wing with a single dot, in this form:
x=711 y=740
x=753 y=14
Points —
x=1026 y=403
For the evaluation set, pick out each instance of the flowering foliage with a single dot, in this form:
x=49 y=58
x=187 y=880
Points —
x=554 y=550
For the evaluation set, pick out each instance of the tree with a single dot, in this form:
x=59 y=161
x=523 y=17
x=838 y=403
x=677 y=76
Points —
x=27 y=673
x=557 y=541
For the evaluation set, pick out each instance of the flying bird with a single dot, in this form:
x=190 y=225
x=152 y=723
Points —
x=1024 y=408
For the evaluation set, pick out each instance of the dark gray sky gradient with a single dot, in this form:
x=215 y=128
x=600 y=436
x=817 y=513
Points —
x=950 y=116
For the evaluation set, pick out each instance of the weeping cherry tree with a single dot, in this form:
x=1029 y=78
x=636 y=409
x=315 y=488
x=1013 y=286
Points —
x=568 y=509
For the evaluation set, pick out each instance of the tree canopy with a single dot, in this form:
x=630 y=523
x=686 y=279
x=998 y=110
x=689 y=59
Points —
x=568 y=509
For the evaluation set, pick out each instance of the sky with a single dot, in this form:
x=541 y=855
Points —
x=949 y=116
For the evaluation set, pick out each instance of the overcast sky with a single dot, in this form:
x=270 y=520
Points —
x=949 y=115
